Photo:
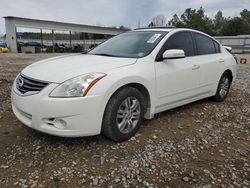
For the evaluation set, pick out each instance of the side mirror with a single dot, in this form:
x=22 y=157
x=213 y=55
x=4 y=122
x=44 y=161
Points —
x=228 y=48
x=172 y=54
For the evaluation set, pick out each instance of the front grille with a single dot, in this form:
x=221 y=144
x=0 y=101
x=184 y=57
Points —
x=25 y=84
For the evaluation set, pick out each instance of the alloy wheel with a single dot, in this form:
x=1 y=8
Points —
x=224 y=86
x=128 y=115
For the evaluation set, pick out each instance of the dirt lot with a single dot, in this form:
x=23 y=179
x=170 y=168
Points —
x=203 y=144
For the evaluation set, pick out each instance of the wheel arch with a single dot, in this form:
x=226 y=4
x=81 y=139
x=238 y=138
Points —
x=230 y=73
x=142 y=89
x=139 y=83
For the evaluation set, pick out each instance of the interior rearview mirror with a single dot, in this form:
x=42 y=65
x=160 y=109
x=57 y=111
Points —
x=173 y=53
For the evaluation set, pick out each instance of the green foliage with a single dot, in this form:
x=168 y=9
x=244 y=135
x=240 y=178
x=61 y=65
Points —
x=232 y=27
x=194 y=19
x=219 y=25
x=245 y=16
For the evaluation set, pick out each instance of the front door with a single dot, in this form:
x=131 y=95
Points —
x=177 y=79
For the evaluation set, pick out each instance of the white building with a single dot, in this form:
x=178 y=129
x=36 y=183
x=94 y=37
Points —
x=11 y=24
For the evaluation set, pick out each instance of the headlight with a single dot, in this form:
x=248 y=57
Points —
x=78 y=86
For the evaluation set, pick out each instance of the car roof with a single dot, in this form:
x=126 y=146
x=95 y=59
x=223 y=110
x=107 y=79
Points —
x=167 y=29
x=171 y=29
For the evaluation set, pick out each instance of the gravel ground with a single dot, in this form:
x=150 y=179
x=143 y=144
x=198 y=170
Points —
x=203 y=144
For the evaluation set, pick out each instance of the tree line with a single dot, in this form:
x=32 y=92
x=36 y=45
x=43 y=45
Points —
x=216 y=26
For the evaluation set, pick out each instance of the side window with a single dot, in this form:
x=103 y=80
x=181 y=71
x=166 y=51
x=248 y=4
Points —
x=182 y=41
x=204 y=44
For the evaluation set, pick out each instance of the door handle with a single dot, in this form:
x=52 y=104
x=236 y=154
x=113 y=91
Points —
x=195 y=67
x=221 y=60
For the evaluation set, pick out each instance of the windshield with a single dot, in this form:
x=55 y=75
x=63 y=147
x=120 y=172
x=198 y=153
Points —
x=131 y=44
x=3 y=45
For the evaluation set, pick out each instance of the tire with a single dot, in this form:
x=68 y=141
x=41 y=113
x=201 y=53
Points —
x=123 y=114
x=223 y=87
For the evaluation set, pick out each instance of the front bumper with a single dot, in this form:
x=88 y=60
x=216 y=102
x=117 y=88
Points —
x=80 y=116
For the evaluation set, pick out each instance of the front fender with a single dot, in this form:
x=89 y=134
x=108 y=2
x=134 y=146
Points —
x=111 y=83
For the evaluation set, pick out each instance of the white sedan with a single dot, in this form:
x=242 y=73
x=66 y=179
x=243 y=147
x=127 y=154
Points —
x=127 y=78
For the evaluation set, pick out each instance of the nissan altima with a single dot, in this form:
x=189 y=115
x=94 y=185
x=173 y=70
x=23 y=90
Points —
x=129 y=77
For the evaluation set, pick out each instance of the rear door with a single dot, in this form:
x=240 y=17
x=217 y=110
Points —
x=210 y=60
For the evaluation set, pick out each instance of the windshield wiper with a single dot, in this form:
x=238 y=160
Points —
x=103 y=54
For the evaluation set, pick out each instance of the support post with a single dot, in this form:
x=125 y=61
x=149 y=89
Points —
x=53 y=41
x=41 y=34
x=84 y=46
x=11 y=34
x=70 y=45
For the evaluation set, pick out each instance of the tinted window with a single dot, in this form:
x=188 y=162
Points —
x=182 y=41
x=204 y=44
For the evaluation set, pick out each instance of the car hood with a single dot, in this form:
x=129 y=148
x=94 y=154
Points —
x=62 y=68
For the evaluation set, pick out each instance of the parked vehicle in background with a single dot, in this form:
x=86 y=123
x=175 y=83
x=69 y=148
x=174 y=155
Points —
x=3 y=47
x=19 y=46
x=36 y=44
x=123 y=80
x=92 y=46
x=33 y=43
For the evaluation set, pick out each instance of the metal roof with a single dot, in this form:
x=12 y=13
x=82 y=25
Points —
x=39 y=21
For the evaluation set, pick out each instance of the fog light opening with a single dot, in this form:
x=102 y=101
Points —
x=59 y=123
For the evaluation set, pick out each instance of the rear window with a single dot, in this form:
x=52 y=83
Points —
x=205 y=45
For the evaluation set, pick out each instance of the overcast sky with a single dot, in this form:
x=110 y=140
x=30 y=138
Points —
x=112 y=12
